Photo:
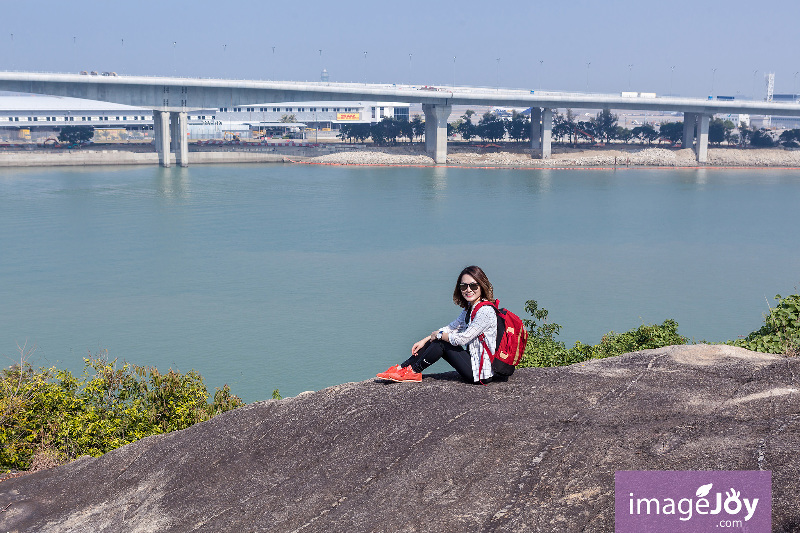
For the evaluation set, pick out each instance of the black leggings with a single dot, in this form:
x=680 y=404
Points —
x=458 y=357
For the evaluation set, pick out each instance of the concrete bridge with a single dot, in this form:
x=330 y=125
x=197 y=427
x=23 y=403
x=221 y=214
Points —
x=173 y=98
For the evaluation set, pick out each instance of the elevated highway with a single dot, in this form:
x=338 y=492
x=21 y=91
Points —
x=172 y=99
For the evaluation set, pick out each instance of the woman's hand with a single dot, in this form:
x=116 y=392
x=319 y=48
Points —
x=419 y=345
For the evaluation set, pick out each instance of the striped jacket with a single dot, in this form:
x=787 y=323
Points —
x=467 y=335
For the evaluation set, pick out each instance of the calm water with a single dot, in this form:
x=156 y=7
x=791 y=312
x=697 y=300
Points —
x=298 y=277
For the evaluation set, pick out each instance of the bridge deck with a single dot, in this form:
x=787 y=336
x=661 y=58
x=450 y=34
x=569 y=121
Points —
x=177 y=96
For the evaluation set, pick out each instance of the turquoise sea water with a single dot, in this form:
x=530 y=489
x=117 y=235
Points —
x=301 y=277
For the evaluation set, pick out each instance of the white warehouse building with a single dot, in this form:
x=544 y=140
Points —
x=33 y=118
x=36 y=118
x=272 y=118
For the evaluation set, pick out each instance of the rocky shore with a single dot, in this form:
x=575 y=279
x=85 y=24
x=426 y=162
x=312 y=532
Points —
x=503 y=155
x=608 y=156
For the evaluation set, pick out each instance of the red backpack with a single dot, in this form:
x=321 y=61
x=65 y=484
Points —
x=511 y=340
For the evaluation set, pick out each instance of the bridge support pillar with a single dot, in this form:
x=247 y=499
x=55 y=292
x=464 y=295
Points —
x=170 y=130
x=541 y=132
x=547 y=132
x=180 y=143
x=700 y=122
x=701 y=148
x=436 y=131
x=536 y=131
x=689 y=121
x=161 y=133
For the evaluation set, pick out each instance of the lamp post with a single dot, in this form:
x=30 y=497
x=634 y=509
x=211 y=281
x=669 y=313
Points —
x=541 y=75
x=498 y=74
x=753 y=93
x=588 y=64
x=365 y=68
x=671 y=76
x=409 y=68
x=454 y=71
x=713 y=75
x=794 y=87
x=224 y=62
x=630 y=70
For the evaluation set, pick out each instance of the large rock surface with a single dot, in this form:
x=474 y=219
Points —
x=537 y=453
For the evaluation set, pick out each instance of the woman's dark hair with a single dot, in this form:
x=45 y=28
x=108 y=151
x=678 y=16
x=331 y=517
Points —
x=479 y=276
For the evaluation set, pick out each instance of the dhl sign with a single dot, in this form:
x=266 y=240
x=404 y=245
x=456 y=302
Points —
x=348 y=116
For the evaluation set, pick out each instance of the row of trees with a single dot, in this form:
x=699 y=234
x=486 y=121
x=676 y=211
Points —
x=490 y=128
x=604 y=127
x=387 y=131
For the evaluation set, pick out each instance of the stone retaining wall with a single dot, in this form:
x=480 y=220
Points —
x=115 y=157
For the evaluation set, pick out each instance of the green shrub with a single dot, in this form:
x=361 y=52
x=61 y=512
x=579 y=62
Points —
x=544 y=350
x=49 y=412
x=644 y=337
x=781 y=330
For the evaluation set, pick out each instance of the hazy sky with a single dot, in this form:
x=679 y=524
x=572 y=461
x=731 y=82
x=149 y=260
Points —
x=599 y=45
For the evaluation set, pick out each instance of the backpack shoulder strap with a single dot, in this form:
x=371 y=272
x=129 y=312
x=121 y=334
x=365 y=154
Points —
x=495 y=304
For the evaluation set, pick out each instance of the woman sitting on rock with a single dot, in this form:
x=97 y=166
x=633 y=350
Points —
x=459 y=342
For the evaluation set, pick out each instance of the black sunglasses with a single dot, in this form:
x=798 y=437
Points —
x=472 y=286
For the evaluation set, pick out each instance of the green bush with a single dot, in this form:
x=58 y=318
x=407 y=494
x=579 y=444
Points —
x=49 y=412
x=544 y=350
x=779 y=334
x=76 y=134
x=781 y=330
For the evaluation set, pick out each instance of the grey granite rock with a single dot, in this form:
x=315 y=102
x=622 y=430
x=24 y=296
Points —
x=537 y=453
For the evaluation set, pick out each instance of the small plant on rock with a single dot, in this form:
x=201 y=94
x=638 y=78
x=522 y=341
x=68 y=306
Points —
x=544 y=350
x=781 y=330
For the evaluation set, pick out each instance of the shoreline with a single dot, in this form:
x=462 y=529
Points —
x=495 y=156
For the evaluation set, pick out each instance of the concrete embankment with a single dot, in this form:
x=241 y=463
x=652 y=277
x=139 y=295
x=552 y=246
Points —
x=122 y=157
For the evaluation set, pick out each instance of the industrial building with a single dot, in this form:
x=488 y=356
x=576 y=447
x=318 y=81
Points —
x=779 y=122
x=321 y=116
x=36 y=118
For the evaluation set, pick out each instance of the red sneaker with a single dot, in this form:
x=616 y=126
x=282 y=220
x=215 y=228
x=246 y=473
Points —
x=403 y=374
x=390 y=371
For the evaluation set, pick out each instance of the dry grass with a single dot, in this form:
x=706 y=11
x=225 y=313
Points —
x=44 y=459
